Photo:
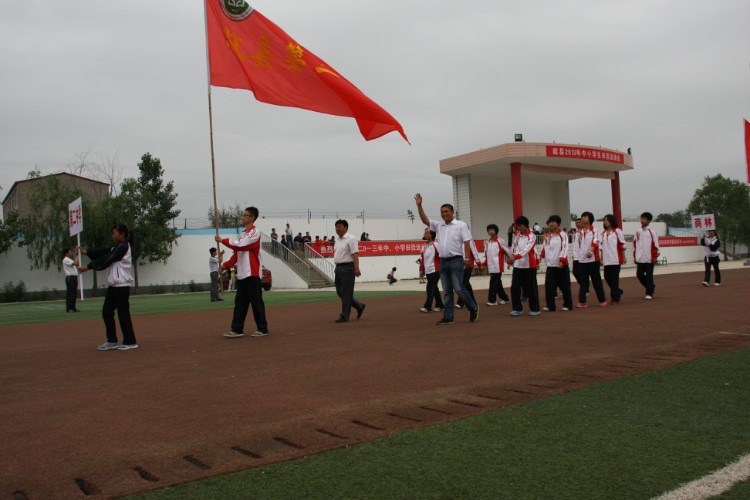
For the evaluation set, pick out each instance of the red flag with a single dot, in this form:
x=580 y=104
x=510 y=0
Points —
x=747 y=148
x=247 y=51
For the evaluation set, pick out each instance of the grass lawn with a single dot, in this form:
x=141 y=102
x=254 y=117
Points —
x=20 y=313
x=633 y=438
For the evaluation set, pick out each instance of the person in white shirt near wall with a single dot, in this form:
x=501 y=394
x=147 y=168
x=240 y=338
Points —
x=70 y=267
x=453 y=238
x=524 y=271
x=711 y=245
x=429 y=266
x=613 y=256
x=557 y=275
x=646 y=251
x=588 y=241
x=495 y=253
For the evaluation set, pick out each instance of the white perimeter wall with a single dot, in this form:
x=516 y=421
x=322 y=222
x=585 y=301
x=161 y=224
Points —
x=189 y=260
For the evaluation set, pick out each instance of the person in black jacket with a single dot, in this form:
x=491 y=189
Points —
x=711 y=246
x=119 y=261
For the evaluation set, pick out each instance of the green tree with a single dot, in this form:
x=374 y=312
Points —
x=729 y=201
x=680 y=218
x=147 y=207
x=8 y=232
x=228 y=217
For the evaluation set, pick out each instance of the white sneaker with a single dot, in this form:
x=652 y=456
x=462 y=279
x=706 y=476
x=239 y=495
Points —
x=717 y=284
x=491 y=303
x=503 y=302
x=127 y=347
x=108 y=346
x=457 y=306
x=545 y=308
x=258 y=333
x=424 y=309
x=648 y=297
x=565 y=309
x=705 y=283
x=437 y=309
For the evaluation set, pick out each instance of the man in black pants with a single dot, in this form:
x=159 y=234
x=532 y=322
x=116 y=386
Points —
x=70 y=266
x=119 y=261
x=346 y=258
x=247 y=261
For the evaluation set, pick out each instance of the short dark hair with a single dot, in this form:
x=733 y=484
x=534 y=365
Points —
x=342 y=222
x=211 y=250
x=647 y=215
x=589 y=215
x=253 y=211
x=577 y=219
x=493 y=226
x=121 y=228
x=65 y=251
x=522 y=221
x=447 y=205
x=554 y=218
x=612 y=220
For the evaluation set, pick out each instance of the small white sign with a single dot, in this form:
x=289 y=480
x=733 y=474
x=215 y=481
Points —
x=75 y=217
x=703 y=222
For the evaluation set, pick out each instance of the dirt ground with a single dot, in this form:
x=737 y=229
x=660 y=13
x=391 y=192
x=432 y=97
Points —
x=190 y=404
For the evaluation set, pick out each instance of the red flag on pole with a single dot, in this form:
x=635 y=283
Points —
x=747 y=148
x=247 y=51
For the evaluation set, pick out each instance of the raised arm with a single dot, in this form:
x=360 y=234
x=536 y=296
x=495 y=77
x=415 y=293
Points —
x=422 y=215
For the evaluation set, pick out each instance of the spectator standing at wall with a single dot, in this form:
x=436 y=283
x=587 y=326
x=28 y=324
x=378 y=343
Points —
x=213 y=265
x=346 y=258
x=118 y=260
x=557 y=275
x=495 y=253
x=589 y=258
x=249 y=264
x=274 y=241
x=453 y=237
x=429 y=266
x=613 y=256
x=537 y=228
x=525 y=264
x=289 y=237
x=711 y=245
x=70 y=268
x=646 y=251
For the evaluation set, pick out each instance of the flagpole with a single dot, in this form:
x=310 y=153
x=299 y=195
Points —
x=211 y=121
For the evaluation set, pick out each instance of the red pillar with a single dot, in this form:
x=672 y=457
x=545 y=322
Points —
x=616 y=205
x=515 y=182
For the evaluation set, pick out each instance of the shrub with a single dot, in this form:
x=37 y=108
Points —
x=13 y=293
x=195 y=287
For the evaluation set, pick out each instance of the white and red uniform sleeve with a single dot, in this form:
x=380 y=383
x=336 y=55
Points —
x=613 y=246
x=495 y=251
x=430 y=259
x=589 y=242
x=555 y=249
x=646 y=246
x=523 y=251
x=247 y=253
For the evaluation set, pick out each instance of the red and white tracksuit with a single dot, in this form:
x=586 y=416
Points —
x=555 y=249
x=646 y=246
x=588 y=242
x=495 y=251
x=246 y=256
x=430 y=259
x=523 y=251
x=612 y=246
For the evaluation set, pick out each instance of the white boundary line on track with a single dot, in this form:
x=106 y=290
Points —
x=712 y=485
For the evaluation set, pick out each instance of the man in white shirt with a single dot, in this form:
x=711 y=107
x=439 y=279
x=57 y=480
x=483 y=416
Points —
x=346 y=258
x=453 y=239
x=646 y=251
x=70 y=267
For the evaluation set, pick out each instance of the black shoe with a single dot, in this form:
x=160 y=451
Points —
x=473 y=314
x=341 y=319
x=360 y=311
x=445 y=321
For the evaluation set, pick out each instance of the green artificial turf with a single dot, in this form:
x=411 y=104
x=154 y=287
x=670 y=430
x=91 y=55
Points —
x=20 y=313
x=634 y=438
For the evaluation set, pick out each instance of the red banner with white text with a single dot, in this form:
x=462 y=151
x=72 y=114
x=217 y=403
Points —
x=554 y=151
x=379 y=248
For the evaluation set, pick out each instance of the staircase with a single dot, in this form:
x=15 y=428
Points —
x=310 y=273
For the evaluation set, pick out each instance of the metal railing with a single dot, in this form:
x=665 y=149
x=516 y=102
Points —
x=321 y=263
x=295 y=262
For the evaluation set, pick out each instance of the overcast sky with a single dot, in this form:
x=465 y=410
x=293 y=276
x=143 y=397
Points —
x=668 y=78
